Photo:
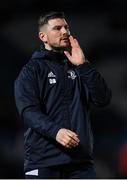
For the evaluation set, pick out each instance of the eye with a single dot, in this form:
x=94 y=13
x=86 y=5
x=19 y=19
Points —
x=57 y=28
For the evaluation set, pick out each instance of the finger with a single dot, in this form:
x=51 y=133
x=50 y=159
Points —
x=64 y=143
x=67 y=54
x=75 y=138
x=68 y=140
x=71 y=132
x=73 y=135
x=72 y=143
x=71 y=140
x=72 y=41
x=67 y=144
x=76 y=43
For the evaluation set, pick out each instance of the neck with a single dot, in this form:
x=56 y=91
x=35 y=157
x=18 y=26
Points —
x=47 y=47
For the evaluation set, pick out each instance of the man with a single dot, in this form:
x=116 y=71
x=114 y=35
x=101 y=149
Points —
x=53 y=92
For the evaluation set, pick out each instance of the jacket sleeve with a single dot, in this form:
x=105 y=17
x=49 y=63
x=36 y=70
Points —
x=99 y=93
x=28 y=104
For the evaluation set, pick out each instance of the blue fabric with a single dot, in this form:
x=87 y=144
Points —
x=67 y=171
x=51 y=94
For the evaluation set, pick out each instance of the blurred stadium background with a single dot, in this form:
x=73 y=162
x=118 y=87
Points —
x=101 y=29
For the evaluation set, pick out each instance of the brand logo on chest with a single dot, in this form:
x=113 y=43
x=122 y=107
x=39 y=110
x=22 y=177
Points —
x=52 y=78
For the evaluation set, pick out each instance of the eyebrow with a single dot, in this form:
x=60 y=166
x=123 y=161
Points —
x=58 y=26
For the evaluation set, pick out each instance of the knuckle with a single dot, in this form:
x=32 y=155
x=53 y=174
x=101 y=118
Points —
x=64 y=143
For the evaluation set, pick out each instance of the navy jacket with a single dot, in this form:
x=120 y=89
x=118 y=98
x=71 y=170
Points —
x=51 y=94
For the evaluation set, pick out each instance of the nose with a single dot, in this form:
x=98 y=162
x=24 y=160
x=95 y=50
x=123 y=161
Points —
x=64 y=30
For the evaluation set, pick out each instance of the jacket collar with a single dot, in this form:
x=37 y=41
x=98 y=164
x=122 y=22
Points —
x=45 y=54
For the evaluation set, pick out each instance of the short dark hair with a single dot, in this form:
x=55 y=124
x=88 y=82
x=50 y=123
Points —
x=44 y=18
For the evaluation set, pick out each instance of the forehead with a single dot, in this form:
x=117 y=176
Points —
x=57 y=22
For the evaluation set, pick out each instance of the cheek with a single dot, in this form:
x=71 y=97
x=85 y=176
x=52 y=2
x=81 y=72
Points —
x=54 y=38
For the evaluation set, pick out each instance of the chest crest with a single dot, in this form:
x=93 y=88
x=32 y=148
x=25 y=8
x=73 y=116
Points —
x=71 y=74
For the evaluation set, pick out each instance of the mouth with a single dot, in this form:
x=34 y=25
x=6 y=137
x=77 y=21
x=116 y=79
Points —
x=65 y=39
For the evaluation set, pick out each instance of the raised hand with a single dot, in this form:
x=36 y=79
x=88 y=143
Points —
x=76 y=56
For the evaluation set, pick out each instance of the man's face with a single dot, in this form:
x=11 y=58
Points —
x=57 y=34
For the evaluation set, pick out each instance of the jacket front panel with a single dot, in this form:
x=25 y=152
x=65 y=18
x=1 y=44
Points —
x=61 y=101
x=51 y=95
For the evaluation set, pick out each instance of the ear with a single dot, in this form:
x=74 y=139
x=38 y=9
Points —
x=43 y=37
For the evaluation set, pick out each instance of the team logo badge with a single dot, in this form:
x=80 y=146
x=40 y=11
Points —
x=72 y=74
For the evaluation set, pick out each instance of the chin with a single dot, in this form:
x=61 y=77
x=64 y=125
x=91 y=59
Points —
x=66 y=45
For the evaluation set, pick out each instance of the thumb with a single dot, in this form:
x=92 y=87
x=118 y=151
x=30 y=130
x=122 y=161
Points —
x=68 y=55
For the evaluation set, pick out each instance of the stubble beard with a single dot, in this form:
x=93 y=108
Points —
x=61 y=48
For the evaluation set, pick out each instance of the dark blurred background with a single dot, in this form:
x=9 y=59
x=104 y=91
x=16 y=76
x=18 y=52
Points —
x=101 y=29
